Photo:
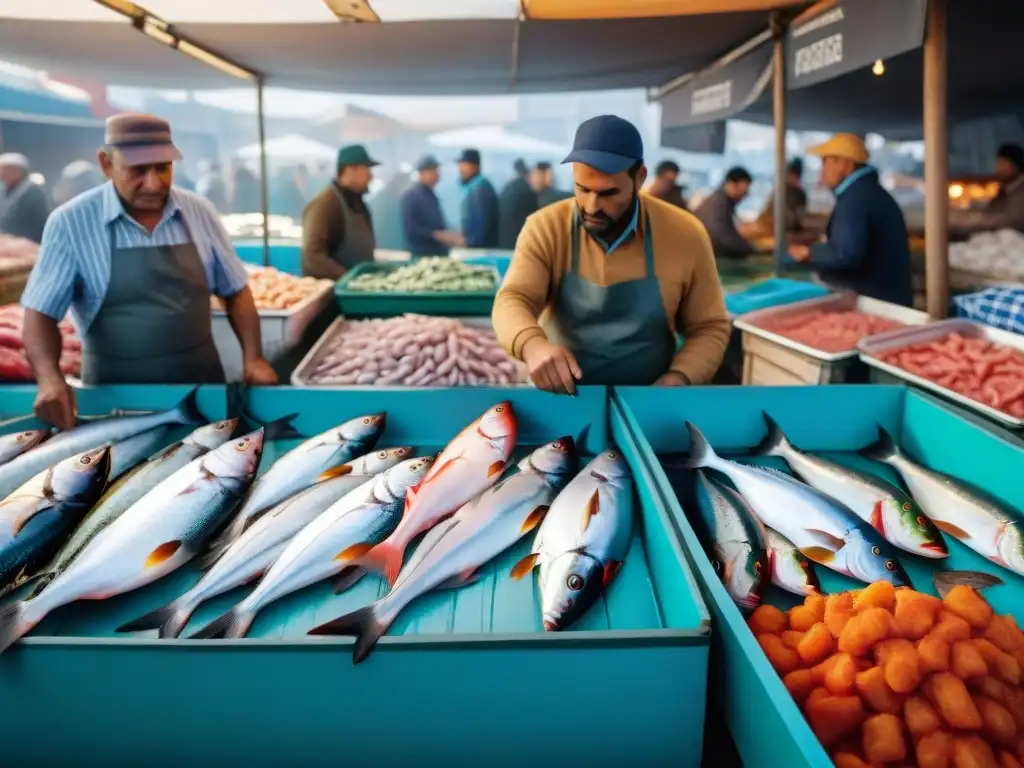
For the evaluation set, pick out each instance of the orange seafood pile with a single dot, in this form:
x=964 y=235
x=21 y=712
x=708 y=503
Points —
x=273 y=289
x=888 y=675
x=976 y=368
x=828 y=331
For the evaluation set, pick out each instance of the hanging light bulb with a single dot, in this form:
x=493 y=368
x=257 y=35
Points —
x=878 y=68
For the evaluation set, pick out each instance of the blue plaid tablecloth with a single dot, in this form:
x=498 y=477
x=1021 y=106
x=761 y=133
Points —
x=1000 y=307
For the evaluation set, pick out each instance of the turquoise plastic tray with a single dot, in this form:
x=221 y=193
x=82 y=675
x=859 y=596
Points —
x=765 y=723
x=772 y=292
x=366 y=304
x=285 y=256
x=499 y=262
x=465 y=676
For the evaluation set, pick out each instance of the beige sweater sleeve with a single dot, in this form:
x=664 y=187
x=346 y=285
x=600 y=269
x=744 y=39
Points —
x=526 y=289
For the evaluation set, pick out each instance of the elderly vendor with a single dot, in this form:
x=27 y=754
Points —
x=602 y=286
x=136 y=261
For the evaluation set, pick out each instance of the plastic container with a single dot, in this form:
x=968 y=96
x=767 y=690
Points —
x=772 y=292
x=464 y=677
x=280 y=330
x=285 y=255
x=356 y=304
x=500 y=260
x=904 y=337
x=765 y=724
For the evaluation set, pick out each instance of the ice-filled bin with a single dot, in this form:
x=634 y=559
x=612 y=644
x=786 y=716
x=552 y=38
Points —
x=765 y=724
x=464 y=677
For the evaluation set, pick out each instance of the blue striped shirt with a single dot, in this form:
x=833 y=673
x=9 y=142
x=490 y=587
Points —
x=73 y=269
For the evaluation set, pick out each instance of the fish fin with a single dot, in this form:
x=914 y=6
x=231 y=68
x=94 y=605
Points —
x=333 y=472
x=591 y=510
x=524 y=566
x=876 y=518
x=884 y=449
x=235 y=528
x=496 y=468
x=945 y=580
x=384 y=559
x=187 y=411
x=354 y=552
x=819 y=555
x=836 y=542
x=701 y=452
x=280 y=429
x=611 y=570
x=26 y=517
x=233 y=624
x=12 y=625
x=363 y=624
x=208 y=559
x=774 y=442
x=410 y=497
x=459 y=580
x=170 y=619
x=348 y=578
x=534 y=518
x=162 y=554
x=952 y=530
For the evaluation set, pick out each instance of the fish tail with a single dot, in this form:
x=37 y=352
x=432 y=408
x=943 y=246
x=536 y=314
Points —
x=233 y=624
x=385 y=559
x=701 y=452
x=13 y=625
x=170 y=619
x=278 y=429
x=775 y=441
x=365 y=625
x=187 y=411
x=884 y=449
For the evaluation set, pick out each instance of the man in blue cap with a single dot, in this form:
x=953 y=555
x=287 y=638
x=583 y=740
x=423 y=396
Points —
x=602 y=286
x=422 y=219
x=515 y=204
x=479 y=203
x=337 y=229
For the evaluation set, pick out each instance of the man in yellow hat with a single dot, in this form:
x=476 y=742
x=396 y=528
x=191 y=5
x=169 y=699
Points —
x=866 y=247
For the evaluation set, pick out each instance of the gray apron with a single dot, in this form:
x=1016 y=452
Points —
x=619 y=334
x=154 y=325
x=359 y=242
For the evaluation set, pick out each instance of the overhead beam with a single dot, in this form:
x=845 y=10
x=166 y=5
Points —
x=660 y=92
x=548 y=10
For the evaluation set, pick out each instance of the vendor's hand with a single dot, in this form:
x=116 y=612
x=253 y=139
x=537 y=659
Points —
x=800 y=252
x=55 y=404
x=259 y=372
x=672 y=379
x=551 y=366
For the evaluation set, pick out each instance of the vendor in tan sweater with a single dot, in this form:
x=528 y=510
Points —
x=602 y=285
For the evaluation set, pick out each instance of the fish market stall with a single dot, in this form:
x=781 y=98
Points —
x=455 y=673
x=428 y=286
x=938 y=535
x=815 y=341
x=287 y=306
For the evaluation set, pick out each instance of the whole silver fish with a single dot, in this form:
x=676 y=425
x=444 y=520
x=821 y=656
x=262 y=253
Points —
x=452 y=552
x=130 y=488
x=822 y=528
x=39 y=513
x=734 y=541
x=261 y=544
x=300 y=468
x=791 y=571
x=885 y=507
x=332 y=542
x=583 y=540
x=17 y=443
x=990 y=527
x=95 y=434
x=158 y=534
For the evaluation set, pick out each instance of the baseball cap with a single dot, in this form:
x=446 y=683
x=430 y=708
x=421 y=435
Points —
x=14 y=159
x=846 y=145
x=608 y=144
x=141 y=139
x=469 y=156
x=355 y=154
x=427 y=163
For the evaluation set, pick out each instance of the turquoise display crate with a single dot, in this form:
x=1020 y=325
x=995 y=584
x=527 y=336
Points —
x=765 y=724
x=285 y=255
x=772 y=292
x=367 y=304
x=500 y=261
x=464 y=677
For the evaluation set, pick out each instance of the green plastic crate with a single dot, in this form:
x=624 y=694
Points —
x=838 y=420
x=365 y=304
x=464 y=677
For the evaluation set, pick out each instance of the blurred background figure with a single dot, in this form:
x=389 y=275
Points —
x=479 y=203
x=24 y=204
x=212 y=185
x=423 y=225
x=245 y=191
x=516 y=202
x=542 y=180
x=76 y=177
x=796 y=201
x=665 y=186
x=717 y=213
x=288 y=196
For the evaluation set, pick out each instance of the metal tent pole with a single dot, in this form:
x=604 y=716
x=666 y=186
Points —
x=264 y=202
x=778 y=28
x=936 y=162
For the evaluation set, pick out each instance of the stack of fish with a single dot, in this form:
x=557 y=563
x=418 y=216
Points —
x=770 y=526
x=331 y=508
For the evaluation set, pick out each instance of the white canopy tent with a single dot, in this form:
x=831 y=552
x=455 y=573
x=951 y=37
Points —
x=494 y=138
x=290 y=148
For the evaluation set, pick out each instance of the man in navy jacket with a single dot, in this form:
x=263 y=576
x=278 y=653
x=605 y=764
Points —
x=479 y=203
x=866 y=247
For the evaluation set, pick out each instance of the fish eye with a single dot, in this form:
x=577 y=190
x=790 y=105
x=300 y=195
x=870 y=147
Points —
x=890 y=565
x=574 y=582
x=222 y=425
x=920 y=520
x=367 y=420
x=382 y=454
x=716 y=565
x=400 y=452
x=907 y=507
x=876 y=551
x=612 y=455
x=85 y=460
x=242 y=444
x=499 y=408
